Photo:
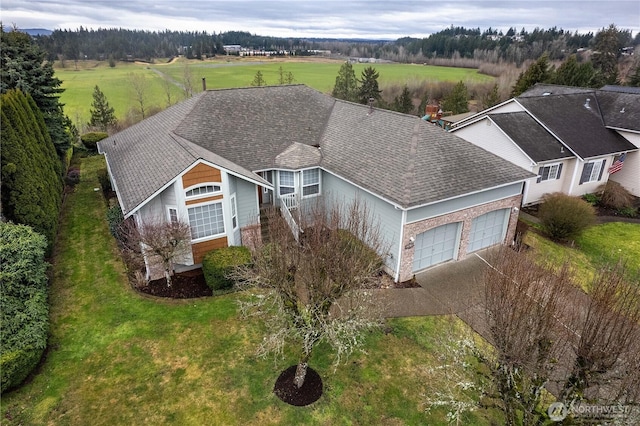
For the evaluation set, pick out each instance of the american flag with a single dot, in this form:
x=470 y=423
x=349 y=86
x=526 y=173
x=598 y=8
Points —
x=617 y=165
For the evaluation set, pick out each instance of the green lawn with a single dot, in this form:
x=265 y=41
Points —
x=118 y=358
x=607 y=242
x=222 y=73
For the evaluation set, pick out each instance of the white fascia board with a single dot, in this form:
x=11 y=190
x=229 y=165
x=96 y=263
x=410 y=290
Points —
x=475 y=117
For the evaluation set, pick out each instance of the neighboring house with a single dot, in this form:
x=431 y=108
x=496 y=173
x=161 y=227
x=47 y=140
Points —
x=216 y=159
x=570 y=137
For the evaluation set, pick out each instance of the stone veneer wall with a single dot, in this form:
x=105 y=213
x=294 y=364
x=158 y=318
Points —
x=465 y=216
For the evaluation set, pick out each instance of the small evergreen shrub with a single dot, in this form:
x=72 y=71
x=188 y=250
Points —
x=592 y=199
x=217 y=264
x=105 y=182
x=73 y=177
x=91 y=139
x=628 y=212
x=115 y=219
x=564 y=217
x=615 y=196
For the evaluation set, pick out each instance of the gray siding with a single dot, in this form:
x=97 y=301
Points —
x=386 y=215
x=247 y=201
x=464 y=202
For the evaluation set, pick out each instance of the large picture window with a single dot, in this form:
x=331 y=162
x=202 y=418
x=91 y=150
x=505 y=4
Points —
x=310 y=182
x=592 y=171
x=206 y=220
x=286 y=182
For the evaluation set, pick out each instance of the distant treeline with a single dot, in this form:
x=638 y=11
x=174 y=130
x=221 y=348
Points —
x=454 y=42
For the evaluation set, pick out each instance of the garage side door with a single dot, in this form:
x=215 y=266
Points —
x=435 y=246
x=488 y=229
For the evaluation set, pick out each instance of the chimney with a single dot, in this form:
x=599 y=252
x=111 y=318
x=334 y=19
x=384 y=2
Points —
x=371 y=100
x=204 y=84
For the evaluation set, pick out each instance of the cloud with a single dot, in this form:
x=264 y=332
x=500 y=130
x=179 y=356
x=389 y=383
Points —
x=329 y=18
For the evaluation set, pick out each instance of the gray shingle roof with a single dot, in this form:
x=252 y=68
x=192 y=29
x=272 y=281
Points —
x=407 y=160
x=577 y=120
x=145 y=157
x=620 y=109
x=530 y=136
x=399 y=157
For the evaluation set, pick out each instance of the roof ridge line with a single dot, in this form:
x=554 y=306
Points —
x=410 y=174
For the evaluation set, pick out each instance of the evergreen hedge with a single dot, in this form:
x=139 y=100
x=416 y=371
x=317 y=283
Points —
x=23 y=303
x=217 y=264
x=564 y=217
x=90 y=140
x=32 y=181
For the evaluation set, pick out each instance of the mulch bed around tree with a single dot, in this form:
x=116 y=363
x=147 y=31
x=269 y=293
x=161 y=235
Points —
x=184 y=285
x=288 y=392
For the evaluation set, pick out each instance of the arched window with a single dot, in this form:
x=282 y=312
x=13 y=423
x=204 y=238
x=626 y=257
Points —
x=203 y=190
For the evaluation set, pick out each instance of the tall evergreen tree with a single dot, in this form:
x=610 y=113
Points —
x=31 y=178
x=23 y=67
x=102 y=114
x=538 y=72
x=369 y=86
x=492 y=98
x=403 y=102
x=458 y=100
x=634 y=78
x=571 y=73
x=346 y=86
x=606 y=52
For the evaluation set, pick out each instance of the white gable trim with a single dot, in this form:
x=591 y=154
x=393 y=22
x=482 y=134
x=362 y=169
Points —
x=194 y=164
x=475 y=117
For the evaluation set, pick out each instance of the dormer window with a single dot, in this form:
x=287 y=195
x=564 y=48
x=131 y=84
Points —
x=203 y=190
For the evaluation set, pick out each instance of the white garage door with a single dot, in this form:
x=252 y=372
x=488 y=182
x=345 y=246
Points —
x=435 y=246
x=488 y=229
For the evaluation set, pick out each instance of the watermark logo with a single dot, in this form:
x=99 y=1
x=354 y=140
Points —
x=558 y=411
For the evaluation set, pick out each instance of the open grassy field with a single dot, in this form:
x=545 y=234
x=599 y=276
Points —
x=118 y=358
x=224 y=73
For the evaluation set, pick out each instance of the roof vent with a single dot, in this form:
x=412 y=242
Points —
x=371 y=100
x=586 y=104
x=546 y=93
x=622 y=110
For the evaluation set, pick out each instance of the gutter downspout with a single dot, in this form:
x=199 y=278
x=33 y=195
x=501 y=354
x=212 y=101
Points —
x=396 y=278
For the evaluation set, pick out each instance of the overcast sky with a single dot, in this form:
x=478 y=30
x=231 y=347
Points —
x=372 y=19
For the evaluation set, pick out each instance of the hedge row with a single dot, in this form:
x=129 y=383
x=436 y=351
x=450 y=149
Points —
x=23 y=303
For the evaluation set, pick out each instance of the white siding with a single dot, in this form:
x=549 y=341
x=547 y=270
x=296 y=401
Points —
x=536 y=190
x=509 y=107
x=488 y=136
x=629 y=176
x=388 y=217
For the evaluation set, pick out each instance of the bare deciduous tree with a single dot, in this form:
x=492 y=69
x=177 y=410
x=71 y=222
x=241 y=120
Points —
x=138 y=83
x=188 y=81
x=525 y=303
x=315 y=290
x=604 y=351
x=164 y=242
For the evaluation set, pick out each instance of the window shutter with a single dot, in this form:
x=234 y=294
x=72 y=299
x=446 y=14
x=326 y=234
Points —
x=602 y=169
x=559 y=171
